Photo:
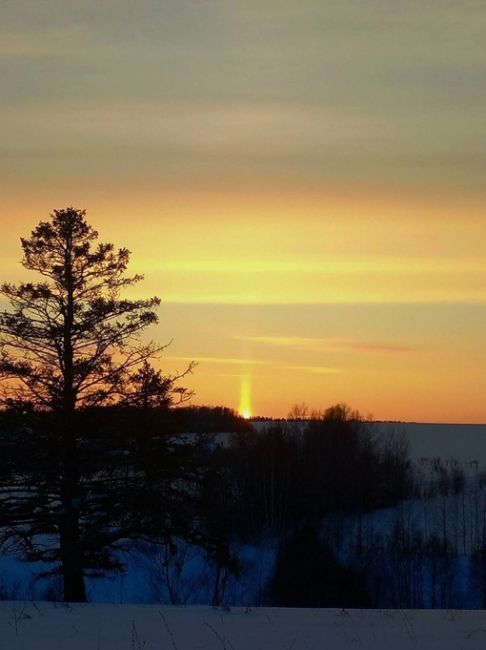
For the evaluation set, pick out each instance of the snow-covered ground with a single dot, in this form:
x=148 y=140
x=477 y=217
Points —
x=46 y=626
x=464 y=442
x=187 y=578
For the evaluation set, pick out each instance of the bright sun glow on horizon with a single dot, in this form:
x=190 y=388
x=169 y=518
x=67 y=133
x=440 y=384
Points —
x=245 y=408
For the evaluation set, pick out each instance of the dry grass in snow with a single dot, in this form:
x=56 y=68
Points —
x=47 y=626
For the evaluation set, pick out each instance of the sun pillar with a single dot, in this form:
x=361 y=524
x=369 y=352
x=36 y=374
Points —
x=245 y=405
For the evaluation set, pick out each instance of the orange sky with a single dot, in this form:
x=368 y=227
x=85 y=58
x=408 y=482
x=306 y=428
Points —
x=303 y=186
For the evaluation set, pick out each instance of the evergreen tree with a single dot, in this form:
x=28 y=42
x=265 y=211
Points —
x=69 y=344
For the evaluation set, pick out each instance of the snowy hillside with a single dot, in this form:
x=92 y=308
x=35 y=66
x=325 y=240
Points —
x=45 y=626
x=464 y=442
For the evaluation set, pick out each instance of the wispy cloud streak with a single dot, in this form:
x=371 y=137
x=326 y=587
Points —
x=326 y=344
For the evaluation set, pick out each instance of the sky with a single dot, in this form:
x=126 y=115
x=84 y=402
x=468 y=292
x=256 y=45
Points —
x=301 y=183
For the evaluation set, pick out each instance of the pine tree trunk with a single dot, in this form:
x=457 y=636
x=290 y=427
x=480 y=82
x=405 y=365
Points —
x=74 y=590
x=69 y=534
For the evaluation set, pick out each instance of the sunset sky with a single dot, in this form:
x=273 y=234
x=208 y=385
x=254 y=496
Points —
x=302 y=183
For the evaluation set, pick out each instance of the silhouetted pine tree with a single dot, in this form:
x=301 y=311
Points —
x=71 y=344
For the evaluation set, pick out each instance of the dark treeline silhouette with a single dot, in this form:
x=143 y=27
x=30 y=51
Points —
x=208 y=419
x=284 y=478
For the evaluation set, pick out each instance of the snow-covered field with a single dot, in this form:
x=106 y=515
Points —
x=464 y=442
x=46 y=626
